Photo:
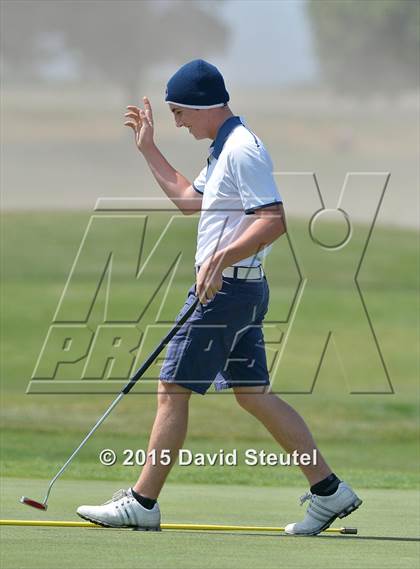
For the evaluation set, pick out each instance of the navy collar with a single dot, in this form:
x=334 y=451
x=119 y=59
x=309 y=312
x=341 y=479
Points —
x=222 y=135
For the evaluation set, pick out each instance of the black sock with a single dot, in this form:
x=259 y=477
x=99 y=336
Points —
x=326 y=487
x=147 y=503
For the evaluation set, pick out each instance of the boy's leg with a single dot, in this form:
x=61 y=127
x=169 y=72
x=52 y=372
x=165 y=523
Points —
x=168 y=433
x=330 y=498
x=137 y=507
x=286 y=426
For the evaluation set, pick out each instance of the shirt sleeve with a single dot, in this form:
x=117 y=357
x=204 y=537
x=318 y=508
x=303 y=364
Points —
x=200 y=181
x=252 y=171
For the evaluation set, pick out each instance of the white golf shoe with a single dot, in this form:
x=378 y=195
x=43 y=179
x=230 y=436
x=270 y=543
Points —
x=323 y=510
x=122 y=511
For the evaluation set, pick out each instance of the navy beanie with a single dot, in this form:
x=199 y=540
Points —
x=198 y=85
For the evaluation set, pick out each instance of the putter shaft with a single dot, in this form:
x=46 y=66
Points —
x=126 y=389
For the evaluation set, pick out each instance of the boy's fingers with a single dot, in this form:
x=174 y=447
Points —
x=144 y=119
x=210 y=292
x=205 y=293
x=148 y=109
x=132 y=124
x=149 y=118
x=198 y=292
x=147 y=104
x=132 y=115
x=134 y=110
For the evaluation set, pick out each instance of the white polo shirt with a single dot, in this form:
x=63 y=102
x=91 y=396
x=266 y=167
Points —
x=237 y=180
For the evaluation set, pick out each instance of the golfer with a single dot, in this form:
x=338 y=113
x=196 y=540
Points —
x=222 y=343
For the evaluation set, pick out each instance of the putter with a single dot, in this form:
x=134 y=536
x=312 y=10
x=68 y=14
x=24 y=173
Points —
x=43 y=505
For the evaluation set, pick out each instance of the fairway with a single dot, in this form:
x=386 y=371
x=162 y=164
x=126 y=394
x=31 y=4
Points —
x=387 y=524
x=371 y=440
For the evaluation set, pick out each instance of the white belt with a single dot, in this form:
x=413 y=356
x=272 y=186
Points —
x=246 y=273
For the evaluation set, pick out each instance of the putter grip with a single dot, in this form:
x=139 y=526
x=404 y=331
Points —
x=144 y=367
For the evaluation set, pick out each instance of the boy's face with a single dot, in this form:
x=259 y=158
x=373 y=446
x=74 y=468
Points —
x=196 y=120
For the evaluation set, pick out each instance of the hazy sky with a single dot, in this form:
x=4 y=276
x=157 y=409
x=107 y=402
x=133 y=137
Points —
x=270 y=44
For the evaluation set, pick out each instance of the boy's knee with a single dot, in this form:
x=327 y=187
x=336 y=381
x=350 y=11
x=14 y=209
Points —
x=250 y=398
x=172 y=394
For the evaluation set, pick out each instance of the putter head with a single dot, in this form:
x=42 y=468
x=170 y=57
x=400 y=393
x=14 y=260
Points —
x=33 y=503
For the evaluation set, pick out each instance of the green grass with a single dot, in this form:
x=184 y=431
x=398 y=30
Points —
x=371 y=439
x=376 y=448
x=387 y=523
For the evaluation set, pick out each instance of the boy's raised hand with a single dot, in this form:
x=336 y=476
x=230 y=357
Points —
x=141 y=121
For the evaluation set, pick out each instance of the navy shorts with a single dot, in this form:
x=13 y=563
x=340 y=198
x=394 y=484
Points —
x=222 y=342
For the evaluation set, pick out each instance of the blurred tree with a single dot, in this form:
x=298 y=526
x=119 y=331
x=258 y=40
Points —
x=367 y=45
x=22 y=25
x=118 y=39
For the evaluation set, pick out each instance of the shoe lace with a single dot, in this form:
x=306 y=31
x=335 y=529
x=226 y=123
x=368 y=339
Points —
x=307 y=496
x=117 y=496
